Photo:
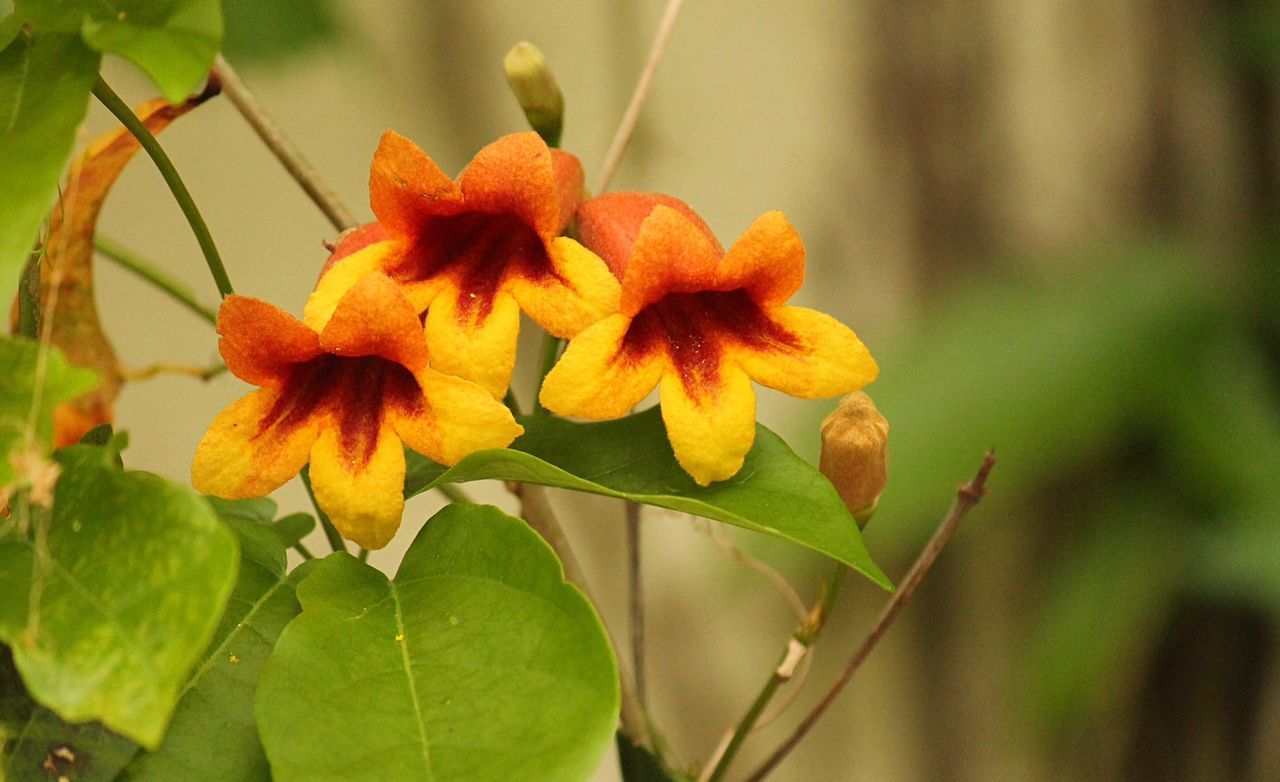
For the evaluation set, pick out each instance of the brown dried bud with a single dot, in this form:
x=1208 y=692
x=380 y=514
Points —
x=855 y=453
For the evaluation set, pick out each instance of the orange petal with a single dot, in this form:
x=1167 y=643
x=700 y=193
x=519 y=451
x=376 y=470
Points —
x=375 y=319
x=597 y=377
x=609 y=224
x=260 y=341
x=239 y=457
x=825 y=359
x=579 y=290
x=515 y=175
x=767 y=261
x=364 y=497
x=478 y=345
x=456 y=418
x=710 y=431
x=406 y=186
x=671 y=255
x=570 y=182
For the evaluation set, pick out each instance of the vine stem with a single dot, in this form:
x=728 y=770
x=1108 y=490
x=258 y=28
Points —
x=967 y=496
x=108 y=97
x=635 y=599
x=627 y=127
x=285 y=151
x=330 y=531
x=130 y=261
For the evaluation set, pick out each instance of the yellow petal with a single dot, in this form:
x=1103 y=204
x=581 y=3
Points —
x=341 y=278
x=597 y=377
x=828 y=360
x=712 y=430
x=362 y=492
x=476 y=345
x=457 y=418
x=239 y=458
x=580 y=292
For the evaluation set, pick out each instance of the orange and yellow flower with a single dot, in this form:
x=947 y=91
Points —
x=344 y=398
x=700 y=324
x=475 y=252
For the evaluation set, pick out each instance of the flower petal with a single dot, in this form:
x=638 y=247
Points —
x=767 y=261
x=260 y=341
x=671 y=255
x=570 y=183
x=712 y=429
x=609 y=224
x=478 y=345
x=239 y=458
x=598 y=377
x=364 y=495
x=352 y=241
x=578 y=290
x=406 y=186
x=825 y=357
x=456 y=418
x=375 y=319
x=340 y=278
x=515 y=175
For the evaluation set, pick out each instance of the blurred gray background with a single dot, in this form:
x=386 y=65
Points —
x=1053 y=224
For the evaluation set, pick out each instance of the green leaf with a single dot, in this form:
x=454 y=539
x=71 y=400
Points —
x=47 y=747
x=44 y=92
x=638 y=764
x=213 y=736
x=776 y=492
x=261 y=33
x=293 y=528
x=476 y=663
x=108 y=616
x=18 y=381
x=173 y=41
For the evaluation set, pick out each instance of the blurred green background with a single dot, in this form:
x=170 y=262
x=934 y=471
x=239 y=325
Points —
x=1054 y=223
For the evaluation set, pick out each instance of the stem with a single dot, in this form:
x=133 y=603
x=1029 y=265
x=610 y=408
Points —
x=631 y=116
x=129 y=260
x=550 y=351
x=802 y=640
x=454 y=493
x=163 y=368
x=967 y=496
x=635 y=594
x=289 y=156
x=303 y=550
x=330 y=531
x=363 y=554
x=116 y=106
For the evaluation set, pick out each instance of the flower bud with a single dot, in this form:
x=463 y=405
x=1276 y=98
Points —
x=536 y=90
x=855 y=454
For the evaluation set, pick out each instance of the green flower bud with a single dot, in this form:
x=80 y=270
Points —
x=535 y=88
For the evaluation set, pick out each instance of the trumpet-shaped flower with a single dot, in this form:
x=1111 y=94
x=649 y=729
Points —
x=343 y=398
x=475 y=252
x=700 y=324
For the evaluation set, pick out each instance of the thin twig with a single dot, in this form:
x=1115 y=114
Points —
x=289 y=156
x=535 y=508
x=635 y=599
x=131 y=261
x=163 y=368
x=632 y=115
x=802 y=640
x=122 y=112
x=967 y=496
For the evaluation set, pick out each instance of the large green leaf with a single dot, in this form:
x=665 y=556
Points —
x=58 y=382
x=476 y=663
x=174 y=41
x=213 y=736
x=44 y=91
x=48 y=747
x=110 y=601
x=776 y=492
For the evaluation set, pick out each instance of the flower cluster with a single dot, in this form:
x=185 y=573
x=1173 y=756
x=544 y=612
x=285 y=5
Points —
x=410 y=334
